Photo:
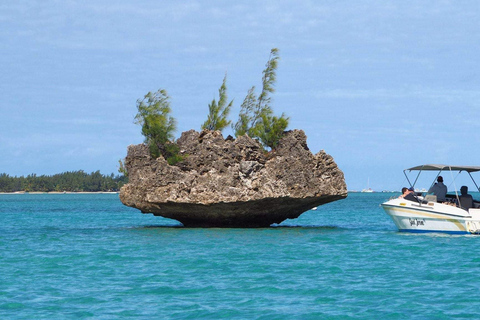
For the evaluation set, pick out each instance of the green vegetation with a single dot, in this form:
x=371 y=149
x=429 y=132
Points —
x=158 y=126
x=256 y=115
x=121 y=168
x=75 y=181
x=218 y=113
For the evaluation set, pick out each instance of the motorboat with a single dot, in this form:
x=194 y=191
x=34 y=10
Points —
x=425 y=214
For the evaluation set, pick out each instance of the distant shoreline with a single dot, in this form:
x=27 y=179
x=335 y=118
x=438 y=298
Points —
x=62 y=192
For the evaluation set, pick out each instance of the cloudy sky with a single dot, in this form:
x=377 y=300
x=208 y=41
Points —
x=379 y=85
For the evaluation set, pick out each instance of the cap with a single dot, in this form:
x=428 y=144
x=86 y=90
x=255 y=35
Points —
x=411 y=189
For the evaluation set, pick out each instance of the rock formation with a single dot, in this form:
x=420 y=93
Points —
x=232 y=182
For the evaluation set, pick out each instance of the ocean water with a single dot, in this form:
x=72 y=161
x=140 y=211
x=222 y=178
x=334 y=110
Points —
x=84 y=256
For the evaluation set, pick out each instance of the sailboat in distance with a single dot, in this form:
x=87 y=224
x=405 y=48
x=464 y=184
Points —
x=368 y=187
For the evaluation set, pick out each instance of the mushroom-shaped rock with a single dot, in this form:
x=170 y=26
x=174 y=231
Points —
x=232 y=182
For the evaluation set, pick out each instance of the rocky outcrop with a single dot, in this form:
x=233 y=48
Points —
x=232 y=182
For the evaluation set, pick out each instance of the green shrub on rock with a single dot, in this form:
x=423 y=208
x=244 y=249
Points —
x=157 y=125
x=255 y=119
x=218 y=112
x=256 y=115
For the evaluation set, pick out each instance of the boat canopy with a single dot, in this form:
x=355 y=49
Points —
x=440 y=167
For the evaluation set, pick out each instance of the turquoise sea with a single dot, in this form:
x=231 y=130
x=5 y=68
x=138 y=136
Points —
x=86 y=256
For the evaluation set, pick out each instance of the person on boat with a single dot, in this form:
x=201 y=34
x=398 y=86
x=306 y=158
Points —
x=439 y=189
x=408 y=194
x=466 y=200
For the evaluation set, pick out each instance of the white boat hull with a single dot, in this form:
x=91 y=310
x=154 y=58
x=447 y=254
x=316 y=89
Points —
x=411 y=216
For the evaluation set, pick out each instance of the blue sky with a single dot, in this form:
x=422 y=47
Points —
x=379 y=85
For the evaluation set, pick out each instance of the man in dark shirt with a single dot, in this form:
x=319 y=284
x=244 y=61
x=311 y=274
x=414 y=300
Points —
x=408 y=194
x=439 y=189
x=466 y=200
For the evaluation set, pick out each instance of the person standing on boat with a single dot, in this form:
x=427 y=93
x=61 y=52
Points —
x=439 y=189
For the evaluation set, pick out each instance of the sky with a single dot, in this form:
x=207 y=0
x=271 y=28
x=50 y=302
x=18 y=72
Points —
x=379 y=85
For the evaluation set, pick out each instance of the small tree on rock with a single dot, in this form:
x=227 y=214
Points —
x=122 y=168
x=256 y=115
x=218 y=112
x=270 y=130
x=158 y=126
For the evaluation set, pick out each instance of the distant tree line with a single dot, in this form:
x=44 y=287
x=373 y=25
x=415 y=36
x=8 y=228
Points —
x=74 y=181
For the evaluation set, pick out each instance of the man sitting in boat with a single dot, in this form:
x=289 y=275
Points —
x=439 y=189
x=466 y=200
x=408 y=194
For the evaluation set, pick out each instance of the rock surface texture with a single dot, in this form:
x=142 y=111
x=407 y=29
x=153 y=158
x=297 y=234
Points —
x=232 y=182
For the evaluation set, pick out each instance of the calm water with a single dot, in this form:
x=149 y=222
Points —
x=88 y=256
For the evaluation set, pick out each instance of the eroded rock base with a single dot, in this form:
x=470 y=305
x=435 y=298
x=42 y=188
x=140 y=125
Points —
x=252 y=214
